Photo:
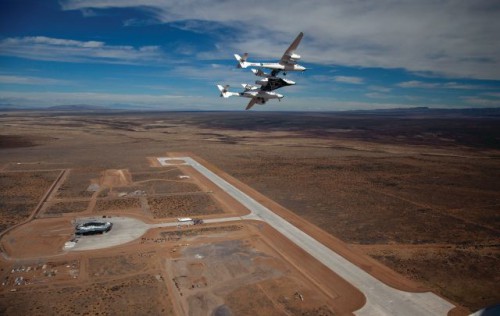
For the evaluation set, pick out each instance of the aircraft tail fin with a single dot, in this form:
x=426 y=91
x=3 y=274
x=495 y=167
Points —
x=248 y=87
x=242 y=61
x=224 y=91
x=260 y=73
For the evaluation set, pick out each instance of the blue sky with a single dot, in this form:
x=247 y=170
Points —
x=158 y=54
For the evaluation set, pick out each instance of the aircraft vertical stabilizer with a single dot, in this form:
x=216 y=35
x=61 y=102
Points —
x=242 y=61
x=224 y=91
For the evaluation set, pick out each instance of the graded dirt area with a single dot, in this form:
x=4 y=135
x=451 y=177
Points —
x=417 y=192
x=234 y=270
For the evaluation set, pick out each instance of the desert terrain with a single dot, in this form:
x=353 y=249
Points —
x=413 y=197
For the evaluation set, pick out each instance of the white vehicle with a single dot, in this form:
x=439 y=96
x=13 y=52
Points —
x=258 y=95
x=288 y=61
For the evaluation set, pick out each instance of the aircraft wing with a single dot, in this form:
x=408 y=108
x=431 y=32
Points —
x=291 y=50
x=251 y=103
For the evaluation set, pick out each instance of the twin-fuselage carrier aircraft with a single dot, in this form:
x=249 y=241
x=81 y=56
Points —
x=263 y=90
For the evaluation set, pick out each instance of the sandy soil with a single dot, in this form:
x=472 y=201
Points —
x=417 y=194
x=231 y=271
x=20 y=194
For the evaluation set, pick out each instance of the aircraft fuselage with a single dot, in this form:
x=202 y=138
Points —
x=261 y=94
x=277 y=66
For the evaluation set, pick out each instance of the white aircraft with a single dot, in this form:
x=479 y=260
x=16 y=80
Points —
x=287 y=63
x=258 y=95
x=269 y=82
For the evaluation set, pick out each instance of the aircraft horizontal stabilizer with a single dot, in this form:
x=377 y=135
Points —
x=242 y=61
x=224 y=91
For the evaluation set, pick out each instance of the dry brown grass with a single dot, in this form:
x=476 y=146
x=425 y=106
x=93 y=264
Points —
x=182 y=205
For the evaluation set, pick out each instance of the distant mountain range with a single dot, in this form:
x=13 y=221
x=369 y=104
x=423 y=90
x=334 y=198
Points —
x=77 y=107
x=412 y=112
x=426 y=111
x=65 y=108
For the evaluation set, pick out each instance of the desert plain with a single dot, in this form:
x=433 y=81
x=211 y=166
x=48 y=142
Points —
x=411 y=197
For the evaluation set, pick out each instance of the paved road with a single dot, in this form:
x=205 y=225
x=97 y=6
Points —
x=380 y=298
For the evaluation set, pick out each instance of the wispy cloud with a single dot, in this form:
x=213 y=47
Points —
x=449 y=38
x=347 y=79
x=417 y=84
x=490 y=99
x=445 y=85
x=27 y=80
x=66 y=50
x=213 y=73
x=460 y=86
x=481 y=101
x=88 y=13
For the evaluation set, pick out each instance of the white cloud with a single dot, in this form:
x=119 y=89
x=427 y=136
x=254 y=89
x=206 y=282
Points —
x=455 y=85
x=417 y=84
x=55 y=49
x=480 y=101
x=27 y=80
x=88 y=13
x=346 y=79
x=450 y=38
x=209 y=72
x=445 y=85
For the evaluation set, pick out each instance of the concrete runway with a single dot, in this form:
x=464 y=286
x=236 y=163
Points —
x=380 y=298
